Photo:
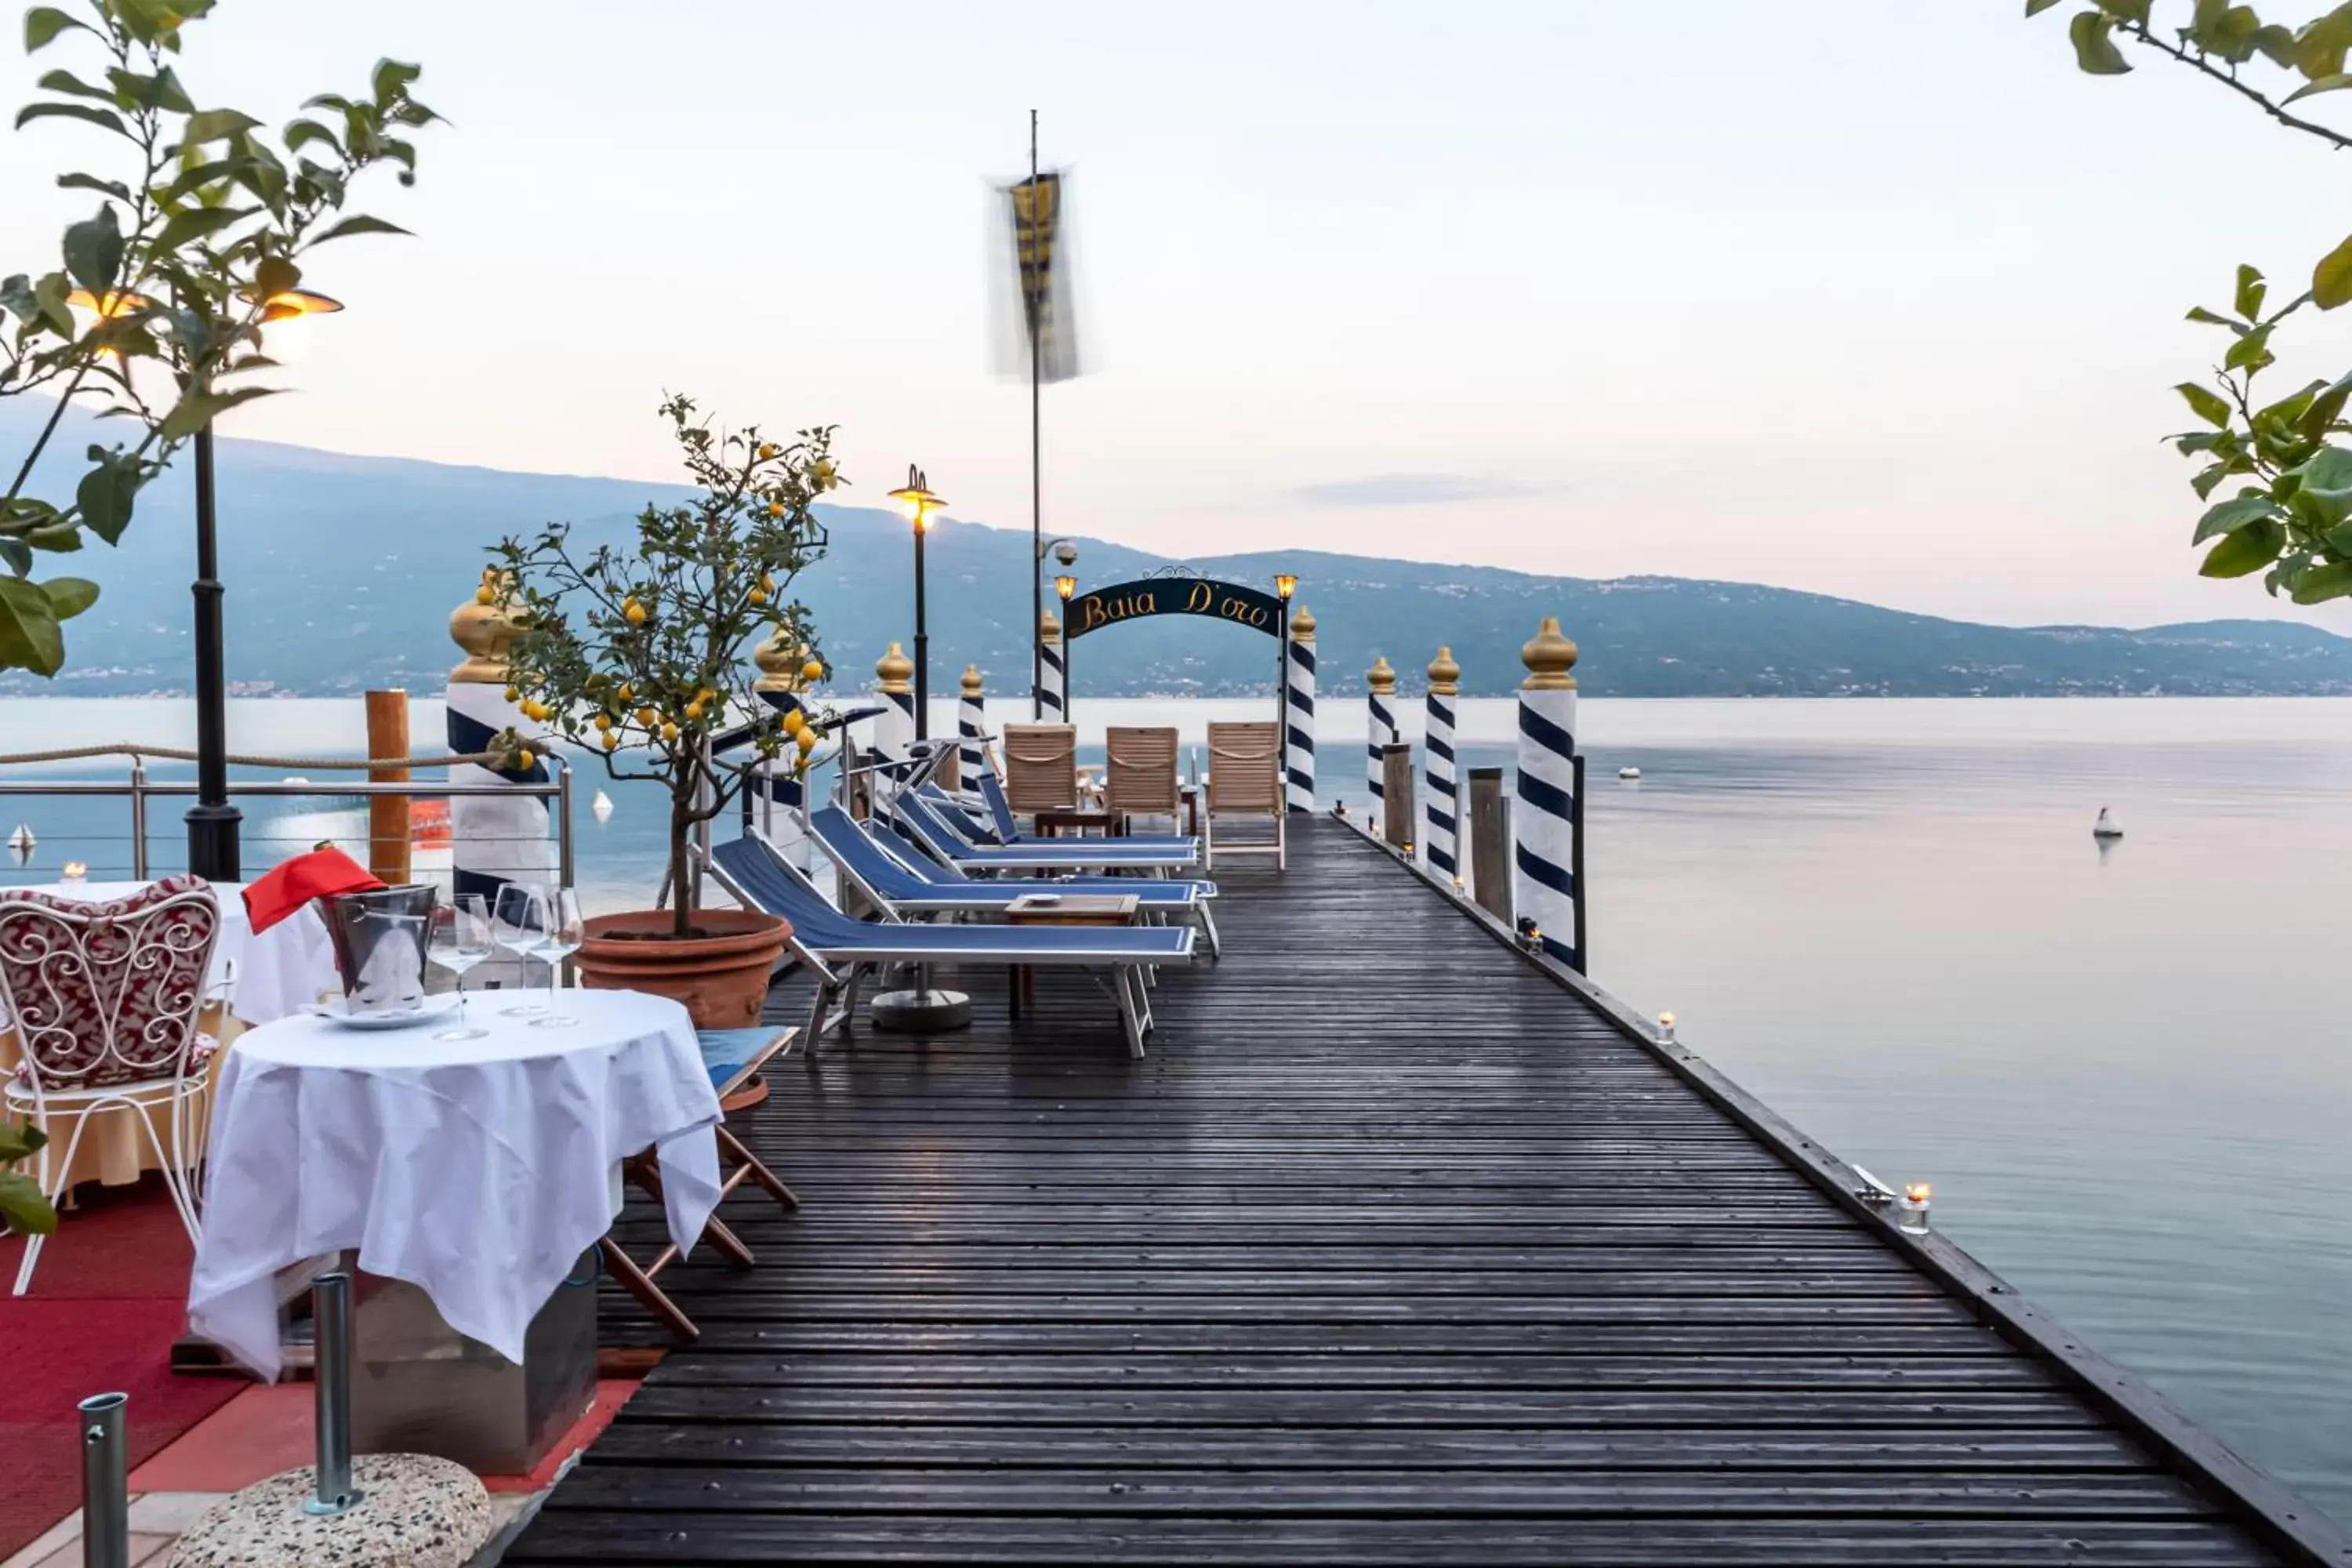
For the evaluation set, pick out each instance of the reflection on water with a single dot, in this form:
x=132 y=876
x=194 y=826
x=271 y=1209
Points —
x=2126 y=1070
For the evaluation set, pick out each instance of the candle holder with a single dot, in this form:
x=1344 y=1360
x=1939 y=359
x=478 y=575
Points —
x=1911 y=1214
x=75 y=872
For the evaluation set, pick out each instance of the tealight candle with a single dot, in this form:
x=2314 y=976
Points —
x=1912 y=1216
x=76 y=871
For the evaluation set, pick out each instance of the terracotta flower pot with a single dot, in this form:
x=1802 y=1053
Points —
x=722 y=974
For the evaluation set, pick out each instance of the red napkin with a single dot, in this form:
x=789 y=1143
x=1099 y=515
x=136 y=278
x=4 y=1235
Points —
x=290 y=884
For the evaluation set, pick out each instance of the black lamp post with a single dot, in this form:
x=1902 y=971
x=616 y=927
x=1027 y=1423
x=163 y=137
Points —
x=916 y=499
x=212 y=822
x=1285 y=584
x=1065 y=585
x=1066 y=552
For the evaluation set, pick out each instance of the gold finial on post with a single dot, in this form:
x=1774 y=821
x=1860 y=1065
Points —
x=896 y=670
x=972 y=684
x=780 y=663
x=1549 y=656
x=1302 y=626
x=1444 y=675
x=1048 y=628
x=484 y=626
x=1380 y=677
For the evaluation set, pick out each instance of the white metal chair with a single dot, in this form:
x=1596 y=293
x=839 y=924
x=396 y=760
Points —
x=105 y=999
x=1245 y=780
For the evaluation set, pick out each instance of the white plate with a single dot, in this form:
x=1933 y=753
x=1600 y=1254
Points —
x=1042 y=900
x=338 y=1011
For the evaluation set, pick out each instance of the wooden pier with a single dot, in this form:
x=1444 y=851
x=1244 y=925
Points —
x=1397 y=1248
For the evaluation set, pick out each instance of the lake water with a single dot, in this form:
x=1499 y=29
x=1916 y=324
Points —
x=2126 y=1070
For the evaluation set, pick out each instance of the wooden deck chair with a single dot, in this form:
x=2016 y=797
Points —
x=1245 y=780
x=1142 y=773
x=1041 y=767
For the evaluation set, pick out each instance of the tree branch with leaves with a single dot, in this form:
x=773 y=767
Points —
x=638 y=655
x=2293 y=519
x=163 y=295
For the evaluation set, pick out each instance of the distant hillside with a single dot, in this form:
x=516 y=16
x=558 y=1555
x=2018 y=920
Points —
x=342 y=572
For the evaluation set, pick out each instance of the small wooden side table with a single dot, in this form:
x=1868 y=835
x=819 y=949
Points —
x=1062 y=909
x=1051 y=823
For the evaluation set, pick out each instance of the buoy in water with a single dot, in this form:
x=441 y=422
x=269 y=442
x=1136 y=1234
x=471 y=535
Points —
x=602 y=805
x=2107 y=826
x=1629 y=772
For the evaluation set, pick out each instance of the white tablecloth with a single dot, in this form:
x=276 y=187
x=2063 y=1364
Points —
x=478 y=1170
x=280 y=972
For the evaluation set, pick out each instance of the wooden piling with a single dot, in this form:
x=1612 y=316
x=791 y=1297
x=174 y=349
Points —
x=1490 y=844
x=1396 y=795
x=388 y=826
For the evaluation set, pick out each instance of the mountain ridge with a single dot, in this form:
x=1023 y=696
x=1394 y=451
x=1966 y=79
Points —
x=342 y=571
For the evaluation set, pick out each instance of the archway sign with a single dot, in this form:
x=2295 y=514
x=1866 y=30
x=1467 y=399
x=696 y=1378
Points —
x=1173 y=593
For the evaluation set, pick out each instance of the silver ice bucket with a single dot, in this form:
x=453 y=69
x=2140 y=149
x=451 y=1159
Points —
x=380 y=939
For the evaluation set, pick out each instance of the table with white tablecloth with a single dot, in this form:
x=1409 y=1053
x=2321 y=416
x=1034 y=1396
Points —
x=477 y=1170
x=277 y=972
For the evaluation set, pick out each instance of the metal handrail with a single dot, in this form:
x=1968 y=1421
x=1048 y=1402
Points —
x=139 y=788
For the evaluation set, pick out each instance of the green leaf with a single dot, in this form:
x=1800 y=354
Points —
x=2278 y=43
x=72 y=86
x=69 y=596
x=199 y=223
x=2199 y=313
x=2331 y=280
x=2205 y=403
x=105 y=117
x=44 y=23
x=2250 y=293
x=300 y=133
x=216 y=125
x=2094 y=51
x=107 y=493
x=358 y=223
x=198 y=409
x=2251 y=351
x=390 y=81
x=275 y=276
x=2035 y=8
x=196 y=177
x=2336 y=81
x=23 y=1206
x=2246 y=551
x=115 y=188
x=49 y=292
x=17 y=555
x=2124 y=10
x=29 y=638
x=94 y=251
x=2326 y=408
x=2232 y=515
x=2326 y=479
x=2321 y=583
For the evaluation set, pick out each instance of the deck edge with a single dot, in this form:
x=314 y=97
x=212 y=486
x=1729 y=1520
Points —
x=2276 y=1514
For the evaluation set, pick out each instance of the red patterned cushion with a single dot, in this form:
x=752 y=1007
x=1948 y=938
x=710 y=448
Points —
x=107 y=994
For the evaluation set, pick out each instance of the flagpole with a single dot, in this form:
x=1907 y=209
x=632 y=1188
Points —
x=1036 y=475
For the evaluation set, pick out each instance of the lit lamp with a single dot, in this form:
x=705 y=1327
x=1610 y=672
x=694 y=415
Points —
x=1666 y=1030
x=1911 y=1214
x=916 y=499
x=1286 y=583
x=75 y=872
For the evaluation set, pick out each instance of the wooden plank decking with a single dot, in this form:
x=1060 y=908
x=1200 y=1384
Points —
x=1392 y=1251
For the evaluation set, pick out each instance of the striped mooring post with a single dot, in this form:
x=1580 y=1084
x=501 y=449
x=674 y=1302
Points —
x=493 y=839
x=1545 y=852
x=1053 y=696
x=780 y=811
x=894 y=727
x=1380 y=694
x=1298 y=732
x=971 y=723
x=1444 y=810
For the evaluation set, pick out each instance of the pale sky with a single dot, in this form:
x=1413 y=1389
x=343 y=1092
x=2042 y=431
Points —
x=1875 y=299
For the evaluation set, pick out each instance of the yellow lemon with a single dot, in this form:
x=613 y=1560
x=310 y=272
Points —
x=775 y=508
x=669 y=731
x=806 y=740
x=514 y=694
x=604 y=721
x=793 y=722
x=647 y=717
x=822 y=471
x=623 y=694
x=767 y=450
x=633 y=613
x=813 y=670
x=693 y=713
x=482 y=596
x=759 y=597
x=524 y=757
x=611 y=740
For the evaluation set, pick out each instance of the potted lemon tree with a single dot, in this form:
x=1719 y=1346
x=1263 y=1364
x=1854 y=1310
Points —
x=637 y=654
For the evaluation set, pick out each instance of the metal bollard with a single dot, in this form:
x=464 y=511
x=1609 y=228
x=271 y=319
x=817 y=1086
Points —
x=105 y=1483
x=330 y=1348
x=1490 y=843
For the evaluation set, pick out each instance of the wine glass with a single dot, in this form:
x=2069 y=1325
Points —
x=560 y=937
x=459 y=939
x=519 y=918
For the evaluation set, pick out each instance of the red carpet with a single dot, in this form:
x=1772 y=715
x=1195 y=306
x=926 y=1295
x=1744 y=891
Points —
x=108 y=1300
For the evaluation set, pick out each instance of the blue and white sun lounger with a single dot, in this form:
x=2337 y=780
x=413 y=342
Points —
x=1007 y=827
x=837 y=949
x=894 y=875
x=923 y=821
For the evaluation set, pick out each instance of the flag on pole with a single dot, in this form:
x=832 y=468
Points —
x=1045 y=310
